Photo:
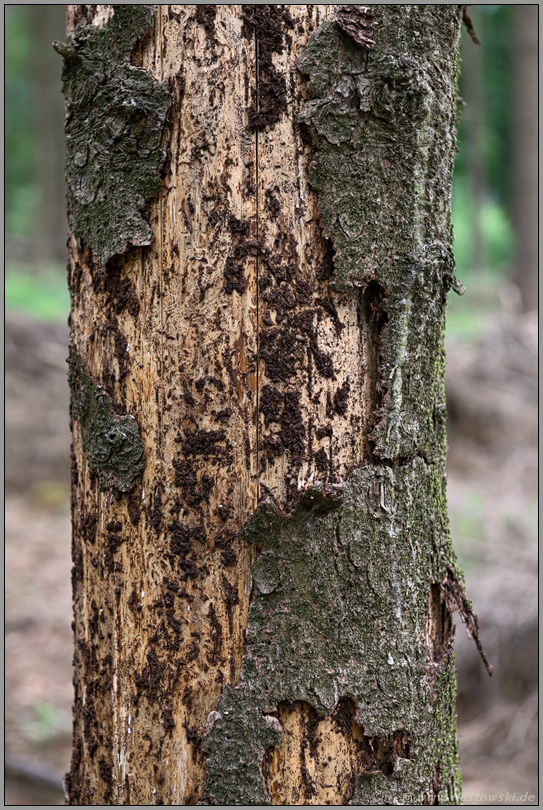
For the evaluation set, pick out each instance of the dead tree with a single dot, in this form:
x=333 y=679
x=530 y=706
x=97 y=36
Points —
x=260 y=260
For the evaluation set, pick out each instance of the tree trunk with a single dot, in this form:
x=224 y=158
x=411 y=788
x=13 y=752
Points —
x=525 y=152
x=263 y=576
x=51 y=230
x=475 y=145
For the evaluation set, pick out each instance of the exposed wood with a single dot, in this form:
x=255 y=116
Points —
x=318 y=368
x=319 y=758
x=174 y=345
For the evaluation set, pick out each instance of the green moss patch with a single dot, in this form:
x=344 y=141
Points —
x=383 y=117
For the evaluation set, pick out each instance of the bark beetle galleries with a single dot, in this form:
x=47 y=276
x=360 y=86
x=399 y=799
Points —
x=369 y=111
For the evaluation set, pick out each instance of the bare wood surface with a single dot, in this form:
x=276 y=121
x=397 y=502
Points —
x=317 y=378
x=318 y=369
x=172 y=344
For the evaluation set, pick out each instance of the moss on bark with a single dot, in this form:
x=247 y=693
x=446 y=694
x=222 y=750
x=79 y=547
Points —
x=115 y=119
x=352 y=590
x=347 y=587
x=341 y=600
x=383 y=116
x=111 y=443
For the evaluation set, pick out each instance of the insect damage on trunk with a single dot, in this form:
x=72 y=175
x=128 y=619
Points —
x=111 y=443
x=268 y=23
x=114 y=124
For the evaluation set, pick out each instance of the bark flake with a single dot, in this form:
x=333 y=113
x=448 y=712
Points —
x=339 y=613
x=382 y=119
x=111 y=443
x=115 y=119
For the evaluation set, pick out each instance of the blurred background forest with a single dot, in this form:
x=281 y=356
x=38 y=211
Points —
x=491 y=389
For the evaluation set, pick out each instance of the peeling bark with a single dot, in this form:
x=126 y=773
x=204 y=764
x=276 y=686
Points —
x=263 y=612
x=111 y=443
x=115 y=118
x=161 y=583
x=384 y=120
x=343 y=611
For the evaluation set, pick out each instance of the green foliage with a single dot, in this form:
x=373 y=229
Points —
x=469 y=317
x=496 y=226
x=42 y=295
x=493 y=25
x=44 y=722
x=494 y=31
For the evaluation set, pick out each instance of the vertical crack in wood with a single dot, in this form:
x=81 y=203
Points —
x=331 y=621
x=161 y=594
x=160 y=42
x=337 y=617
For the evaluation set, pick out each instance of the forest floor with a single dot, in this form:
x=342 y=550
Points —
x=492 y=480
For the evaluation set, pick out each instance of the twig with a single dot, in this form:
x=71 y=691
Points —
x=469 y=25
x=452 y=593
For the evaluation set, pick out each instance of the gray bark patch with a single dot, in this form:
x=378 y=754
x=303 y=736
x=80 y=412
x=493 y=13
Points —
x=339 y=612
x=114 y=123
x=111 y=443
x=381 y=109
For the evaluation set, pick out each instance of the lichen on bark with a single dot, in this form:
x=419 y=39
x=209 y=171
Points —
x=340 y=602
x=115 y=119
x=111 y=443
x=383 y=116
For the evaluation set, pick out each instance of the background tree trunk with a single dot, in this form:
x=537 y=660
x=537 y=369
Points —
x=263 y=577
x=47 y=23
x=525 y=152
x=475 y=147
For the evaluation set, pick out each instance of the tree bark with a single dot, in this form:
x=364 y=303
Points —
x=525 y=191
x=263 y=576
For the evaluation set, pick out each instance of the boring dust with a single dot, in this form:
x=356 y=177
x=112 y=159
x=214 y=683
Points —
x=492 y=478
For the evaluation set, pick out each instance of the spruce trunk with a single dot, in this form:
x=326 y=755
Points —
x=260 y=259
x=525 y=153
